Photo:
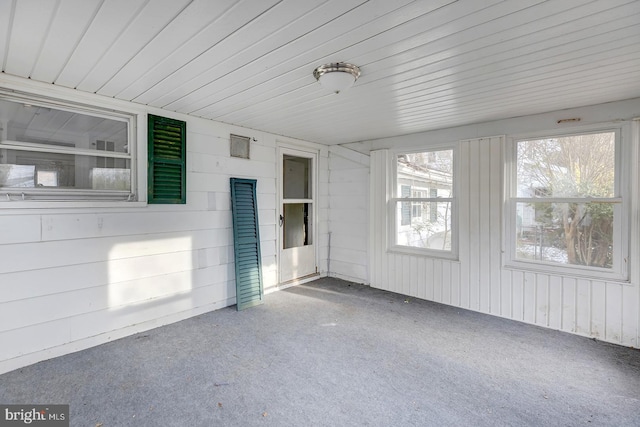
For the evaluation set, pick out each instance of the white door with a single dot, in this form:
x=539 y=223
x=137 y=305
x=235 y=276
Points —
x=297 y=215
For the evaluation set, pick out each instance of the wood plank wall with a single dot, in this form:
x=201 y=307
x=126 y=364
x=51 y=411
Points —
x=477 y=280
x=348 y=213
x=71 y=278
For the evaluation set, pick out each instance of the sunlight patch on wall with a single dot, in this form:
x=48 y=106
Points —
x=145 y=271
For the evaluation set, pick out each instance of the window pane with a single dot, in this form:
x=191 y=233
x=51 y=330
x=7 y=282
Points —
x=296 y=230
x=296 y=177
x=425 y=173
x=565 y=233
x=429 y=225
x=57 y=128
x=571 y=166
x=31 y=169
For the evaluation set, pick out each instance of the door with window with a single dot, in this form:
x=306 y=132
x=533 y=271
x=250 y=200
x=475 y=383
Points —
x=297 y=215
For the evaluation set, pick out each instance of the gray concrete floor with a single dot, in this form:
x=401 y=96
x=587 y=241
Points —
x=331 y=353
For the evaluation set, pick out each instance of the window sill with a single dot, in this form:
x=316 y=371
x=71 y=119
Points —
x=571 y=272
x=13 y=206
x=427 y=253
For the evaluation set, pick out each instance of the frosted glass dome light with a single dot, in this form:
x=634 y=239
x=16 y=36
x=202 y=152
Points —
x=337 y=76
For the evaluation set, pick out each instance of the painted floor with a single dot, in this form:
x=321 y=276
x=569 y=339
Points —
x=333 y=353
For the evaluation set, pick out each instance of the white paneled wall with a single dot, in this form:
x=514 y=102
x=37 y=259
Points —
x=477 y=280
x=348 y=211
x=322 y=210
x=71 y=277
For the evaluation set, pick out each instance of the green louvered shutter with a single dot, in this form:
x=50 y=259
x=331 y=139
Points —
x=167 y=160
x=246 y=239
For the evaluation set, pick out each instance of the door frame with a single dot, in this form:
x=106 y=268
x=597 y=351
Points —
x=313 y=154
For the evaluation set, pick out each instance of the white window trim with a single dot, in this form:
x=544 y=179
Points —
x=393 y=199
x=18 y=198
x=623 y=148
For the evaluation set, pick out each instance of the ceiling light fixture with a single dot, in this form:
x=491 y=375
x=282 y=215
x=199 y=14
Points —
x=337 y=76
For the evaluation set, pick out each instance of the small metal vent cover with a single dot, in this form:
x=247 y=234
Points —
x=240 y=146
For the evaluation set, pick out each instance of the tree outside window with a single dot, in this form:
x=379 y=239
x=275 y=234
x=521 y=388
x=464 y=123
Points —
x=566 y=199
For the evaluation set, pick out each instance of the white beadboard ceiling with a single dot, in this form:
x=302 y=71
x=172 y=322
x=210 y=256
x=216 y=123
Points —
x=426 y=64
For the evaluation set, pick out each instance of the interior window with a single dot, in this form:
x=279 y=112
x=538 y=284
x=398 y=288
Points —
x=50 y=152
x=566 y=203
x=423 y=200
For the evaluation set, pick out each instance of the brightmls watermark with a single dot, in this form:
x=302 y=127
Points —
x=34 y=415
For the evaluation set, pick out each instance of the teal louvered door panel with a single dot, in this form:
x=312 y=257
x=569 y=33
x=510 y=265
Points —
x=246 y=239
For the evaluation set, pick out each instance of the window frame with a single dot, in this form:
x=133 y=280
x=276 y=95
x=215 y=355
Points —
x=619 y=270
x=394 y=198
x=28 y=197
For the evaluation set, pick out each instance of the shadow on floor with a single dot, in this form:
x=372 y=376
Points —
x=338 y=354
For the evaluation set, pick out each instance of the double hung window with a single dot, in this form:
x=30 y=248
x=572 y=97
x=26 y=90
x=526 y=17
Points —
x=566 y=205
x=422 y=203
